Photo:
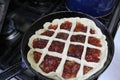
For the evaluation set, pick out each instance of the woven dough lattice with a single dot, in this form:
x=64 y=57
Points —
x=68 y=49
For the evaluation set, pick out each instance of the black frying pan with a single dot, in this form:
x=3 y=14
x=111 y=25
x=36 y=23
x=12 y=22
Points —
x=48 y=18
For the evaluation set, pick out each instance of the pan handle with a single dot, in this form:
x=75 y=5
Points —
x=12 y=71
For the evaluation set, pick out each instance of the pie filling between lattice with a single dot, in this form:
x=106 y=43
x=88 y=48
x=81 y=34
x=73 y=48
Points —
x=68 y=48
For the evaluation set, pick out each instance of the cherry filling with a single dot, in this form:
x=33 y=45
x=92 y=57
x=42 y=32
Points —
x=86 y=69
x=53 y=27
x=48 y=33
x=94 y=41
x=57 y=46
x=80 y=27
x=78 y=38
x=92 y=55
x=92 y=31
x=61 y=35
x=75 y=51
x=50 y=63
x=70 y=69
x=66 y=25
x=39 y=43
x=37 y=56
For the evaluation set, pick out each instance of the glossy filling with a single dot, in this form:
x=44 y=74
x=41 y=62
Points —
x=48 y=33
x=92 y=31
x=39 y=43
x=80 y=28
x=49 y=63
x=86 y=69
x=92 y=55
x=70 y=69
x=61 y=35
x=66 y=25
x=78 y=38
x=53 y=27
x=94 y=41
x=56 y=46
x=37 y=56
x=75 y=51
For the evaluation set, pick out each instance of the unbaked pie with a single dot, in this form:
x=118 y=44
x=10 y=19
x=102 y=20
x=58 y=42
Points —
x=68 y=49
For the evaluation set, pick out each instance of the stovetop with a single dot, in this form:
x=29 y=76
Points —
x=17 y=18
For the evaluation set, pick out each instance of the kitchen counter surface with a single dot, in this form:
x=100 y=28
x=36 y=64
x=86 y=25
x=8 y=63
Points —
x=113 y=71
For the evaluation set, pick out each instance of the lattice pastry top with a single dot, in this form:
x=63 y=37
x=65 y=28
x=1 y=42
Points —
x=68 y=49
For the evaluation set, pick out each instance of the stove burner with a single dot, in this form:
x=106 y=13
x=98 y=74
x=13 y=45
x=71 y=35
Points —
x=9 y=27
x=31 y=10
x=9 y=32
